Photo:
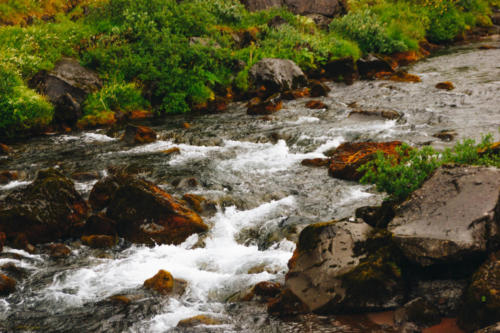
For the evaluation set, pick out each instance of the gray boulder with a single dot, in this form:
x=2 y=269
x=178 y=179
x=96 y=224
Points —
x=255 y=5
x=328 y=8
x=454 y=215
x=66 y=87
x=341 y=266
x=277 y=75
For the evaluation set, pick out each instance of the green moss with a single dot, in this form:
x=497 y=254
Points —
x=308 y=238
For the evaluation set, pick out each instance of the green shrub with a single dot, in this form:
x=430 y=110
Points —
x=21 y=109
x=400 y=175
x=115 y=97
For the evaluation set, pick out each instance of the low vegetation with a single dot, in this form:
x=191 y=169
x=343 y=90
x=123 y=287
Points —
x=179 y=54
x=400 y=175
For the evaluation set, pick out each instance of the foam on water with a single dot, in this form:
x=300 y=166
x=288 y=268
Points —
x=303 y=120
x=213 y=273
x=14 y=184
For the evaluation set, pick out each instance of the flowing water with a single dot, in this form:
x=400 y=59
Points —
x=251 y=168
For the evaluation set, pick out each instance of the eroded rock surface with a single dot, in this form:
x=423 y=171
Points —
x=277 y=75
x=454 y=215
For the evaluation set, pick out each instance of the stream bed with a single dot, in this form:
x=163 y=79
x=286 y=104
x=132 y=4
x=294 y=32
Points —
x=251 y=167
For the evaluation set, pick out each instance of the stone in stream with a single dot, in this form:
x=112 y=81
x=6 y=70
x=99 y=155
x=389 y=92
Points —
x=341 y=267
x=419 y=312
x=99 y=241
x=277 y=75
x=47 y=210
x=199 y=320
x=4 y=149
x=318 y=88
x=316 y=105
x=66 y=87
x=143 y=212
x=99 y=224
x=291 y=95
x=348 y=157
x=257 y=107
x=7 y=285
x=138 y=135
x=446 y=85
x=58 y=250
x=370 y=66
x=446 y=135
x=455 y=215
x=163 y=283
x=482 y=298
x=343 y=69
x=370 y=114
x=2 y=240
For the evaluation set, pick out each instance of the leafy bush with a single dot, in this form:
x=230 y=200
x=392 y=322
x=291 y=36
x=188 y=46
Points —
x=400 y=175
x=115 y=97
x=21 y=109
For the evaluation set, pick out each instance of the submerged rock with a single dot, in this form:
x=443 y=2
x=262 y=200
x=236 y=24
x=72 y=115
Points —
x=143 y=212
x=2 y=240
x=7 y=285
x=66 y=87
x=58 y=250
x=338 y=267
x=277 y=75
x=348 y=157
x=360 y=114
x=47 y=210
x=199 y=320
x=7 y=176
x=316 y=105
x=257 y=107
x=318 y=89
x=446 y=85
x=99 y=241
x=453 y=216
x=138 y=135
x=419 y=312
x=370 y=66
x=482 y=298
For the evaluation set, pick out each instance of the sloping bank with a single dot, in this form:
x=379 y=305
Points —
x=158 y=57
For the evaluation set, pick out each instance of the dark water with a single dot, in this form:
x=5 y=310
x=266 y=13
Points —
x=251 y=168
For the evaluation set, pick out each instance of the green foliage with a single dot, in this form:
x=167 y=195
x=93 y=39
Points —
x=21 y=108
x=115 y=97
x=400 y=175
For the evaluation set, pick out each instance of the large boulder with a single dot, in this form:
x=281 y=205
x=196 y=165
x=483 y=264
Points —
x=143 y=212
x=277 y=75
x=349 y=156
x=255 y=5
x=482 y=298
x=341 y=266
x=66 y=87
x=47 y=210
x=328 y=8
x=453 y=216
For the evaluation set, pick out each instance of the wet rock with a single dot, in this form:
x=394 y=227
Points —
x=409 y=328
x=7 y=285
x=419 y=312
x=495 y=328
x=199 y=320
x=445 y=135
x=446 y=85
x=328 y=8
x=318 y=89
x=405 y=58
x=189 y=182
x=316 y=162
x=257 y=107
x=172 y=151
x=361 y=114
x=4 y=149
x=342 y=70
x=66 y=87
x=348 y=157
x=377 y=216
x=2 y=240
x=316 y=105
x=7 y=176
x=145 y=213
x=138 y=135
x=48 y=209
x=487 y=47
x=99 y=241
x=403 y=76
x=277 y=75
x=200 y=204
x=85 y=176
x=290 y=95
x=58 y=250
x=162 y=283
x=445 y=295
x=482 y=298
x=99 y=224
x=370 y=65
x=267 y=289
x=14 y=271
x=341 y=266
x=452 y=217
x=217 y=105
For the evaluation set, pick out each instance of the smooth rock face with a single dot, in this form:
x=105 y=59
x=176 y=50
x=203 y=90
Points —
x=254 y=5
x=48 y=209
x=143 y=212
x=455 y=214
x=334 y=269
x=67 y=87
x=277 y=75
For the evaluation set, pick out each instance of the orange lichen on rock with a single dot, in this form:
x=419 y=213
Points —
x=7 y=285
x=258 y=107
x=405 y=58
x=296 y=94
x=198 y=320
x=59 y=250
x=139 y=114
x=316 y=162
x=348 y=157
x=171 y=151
x=402 y=76
x=139 y=135
x=162 y=282
x=446 y=85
